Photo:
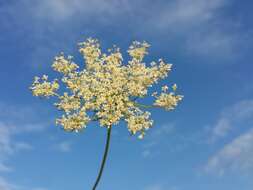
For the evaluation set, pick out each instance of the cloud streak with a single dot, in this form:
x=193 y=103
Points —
x=230 y=117
x=13 y=124
x=6 y=185
x=236 y=155
x=194 y=27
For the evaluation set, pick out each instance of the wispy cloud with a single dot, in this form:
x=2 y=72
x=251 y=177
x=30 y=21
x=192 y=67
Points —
x=194 y=26
x=236 y=155
x=6 y=145
x=4 y=167
x=230 y=117
x=7 y=185
x=9 y=145
x=214 y=42
x=14 y=123
x=172 y=138
x=199 y=24
x=62 y=10
x=187 y=13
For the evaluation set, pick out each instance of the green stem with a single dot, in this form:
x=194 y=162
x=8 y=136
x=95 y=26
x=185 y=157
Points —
x=104 y=157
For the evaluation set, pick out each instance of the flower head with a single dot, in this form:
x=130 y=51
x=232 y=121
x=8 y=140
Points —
x=41 y=87
x=106 y=90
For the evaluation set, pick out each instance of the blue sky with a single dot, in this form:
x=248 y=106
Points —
x=206 y=143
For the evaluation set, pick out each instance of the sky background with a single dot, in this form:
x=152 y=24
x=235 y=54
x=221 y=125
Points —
x=206 y=143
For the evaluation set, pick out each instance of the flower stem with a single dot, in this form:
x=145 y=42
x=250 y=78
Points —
x=104 y=157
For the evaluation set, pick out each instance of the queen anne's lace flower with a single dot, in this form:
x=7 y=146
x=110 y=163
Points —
x=68 y=103
x=73 y=122
x=106 y=90
x=168 y=101
x=41 y=87
x=63 y=65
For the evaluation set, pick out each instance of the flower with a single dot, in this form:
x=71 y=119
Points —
x=63 y=65
x=168 y=101
x=107 y=89
x=41 y=87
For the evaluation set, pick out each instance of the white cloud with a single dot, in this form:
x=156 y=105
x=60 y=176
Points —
x=5 y=185
x=66 y=11
x=194 y=26
x=197 y=27
x=6 y=146
x=188 y=13
x=222 y=127
x=213 y=41
x=9 y=145
x=173 y=13
x=4 y=168
x=62 y=10
x=5 y=138
x=13 y=123
x=236 y=155
x=231 y=116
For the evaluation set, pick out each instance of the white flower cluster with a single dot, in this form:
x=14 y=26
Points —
x=106 y=90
